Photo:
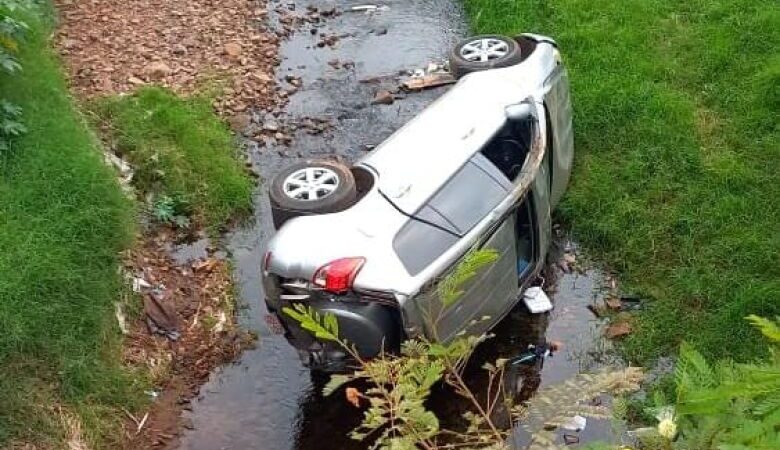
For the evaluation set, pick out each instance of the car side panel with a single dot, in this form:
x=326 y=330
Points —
x=487 y=294
x=558 y=103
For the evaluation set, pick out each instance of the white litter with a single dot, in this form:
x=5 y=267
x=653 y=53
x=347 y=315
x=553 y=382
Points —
x=536 y=300
x=121 y=318
x=368 y=9
x=221 y=321
x=576 y=423
x=139 y=284
x=364 y=8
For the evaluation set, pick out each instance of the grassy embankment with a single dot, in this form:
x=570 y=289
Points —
x=675 y=184
x=64 y=221
x=179 y=150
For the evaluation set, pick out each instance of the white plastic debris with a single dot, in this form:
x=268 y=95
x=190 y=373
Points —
x=152 y=394
x=576 y=423
x=368 y=9
x=364 y=8
x=139 y=284
x=536 y=300
x=121 y=318
x=221 y=321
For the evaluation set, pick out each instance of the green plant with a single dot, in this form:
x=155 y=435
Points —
x=677 y=149
x=396 y=417
x=179 y=150
x=12 y=32
x=723 y=406
x=172 y=211
x=65 y=222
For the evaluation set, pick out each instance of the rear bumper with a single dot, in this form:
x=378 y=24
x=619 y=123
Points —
x=367 y=326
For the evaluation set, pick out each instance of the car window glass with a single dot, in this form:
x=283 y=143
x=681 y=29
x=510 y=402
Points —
x=468 y=197
x=418 y=244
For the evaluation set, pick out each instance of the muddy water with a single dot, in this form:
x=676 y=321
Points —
x=268 y=400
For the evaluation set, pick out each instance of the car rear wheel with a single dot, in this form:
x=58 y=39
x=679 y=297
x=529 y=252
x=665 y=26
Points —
x=311 y=187
x=483 y=52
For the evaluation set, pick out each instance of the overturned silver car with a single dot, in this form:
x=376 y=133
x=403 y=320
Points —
x=482 y=167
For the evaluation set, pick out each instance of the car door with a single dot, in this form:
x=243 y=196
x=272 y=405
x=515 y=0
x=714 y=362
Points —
x=461 y=205
x=560 y=140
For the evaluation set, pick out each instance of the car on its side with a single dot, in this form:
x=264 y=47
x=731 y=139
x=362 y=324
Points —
x=481 y=167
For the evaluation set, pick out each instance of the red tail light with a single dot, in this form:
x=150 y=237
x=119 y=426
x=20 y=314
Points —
x=266 y=261
x=337 y=276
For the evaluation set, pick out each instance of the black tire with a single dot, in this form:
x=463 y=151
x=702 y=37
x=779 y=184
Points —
x=459 y=66
x=284 y=207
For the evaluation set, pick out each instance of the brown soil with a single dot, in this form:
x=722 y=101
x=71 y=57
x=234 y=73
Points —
x=113 y=46
x=200 y=299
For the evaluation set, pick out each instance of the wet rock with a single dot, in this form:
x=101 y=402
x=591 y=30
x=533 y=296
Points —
x=293 y=80
x=617 y=330
x=598 y=310
x=613 y=303
x=329 y=12
x=383 y=97
x=240 y=122
x=271 y=126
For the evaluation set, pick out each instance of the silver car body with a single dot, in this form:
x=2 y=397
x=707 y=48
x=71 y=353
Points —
x=411 y=166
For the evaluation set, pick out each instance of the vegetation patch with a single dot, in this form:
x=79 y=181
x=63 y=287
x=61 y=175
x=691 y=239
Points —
x=64 y=223
x=677 y=154
x=183 y=155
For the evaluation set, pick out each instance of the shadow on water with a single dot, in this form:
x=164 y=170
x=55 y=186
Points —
x=268 y=400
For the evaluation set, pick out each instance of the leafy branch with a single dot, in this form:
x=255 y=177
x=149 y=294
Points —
x=12 y=32
x=396 y=417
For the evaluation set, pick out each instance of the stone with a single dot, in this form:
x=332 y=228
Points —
x=135 y=81
x=271 y=126
x=617 y=330
x=383 y=97
x=240 y=122
x=157 y=70
x=179 y=50
x=233 y=49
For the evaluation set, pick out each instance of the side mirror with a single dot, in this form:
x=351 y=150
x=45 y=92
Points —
x=520 y=112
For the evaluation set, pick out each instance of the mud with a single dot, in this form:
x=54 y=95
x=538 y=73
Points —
x=268 y=400
x=197 y=303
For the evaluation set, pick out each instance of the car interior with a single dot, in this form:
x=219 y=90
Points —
x=509 y=148
x=508 y=151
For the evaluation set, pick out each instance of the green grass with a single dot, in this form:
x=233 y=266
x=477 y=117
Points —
x=179 y=148
x=676 y=116
x=63 y=222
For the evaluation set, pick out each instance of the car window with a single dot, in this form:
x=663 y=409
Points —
x=418 y=244
x=468 y=196
x=452 y=212
x=508 y=150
